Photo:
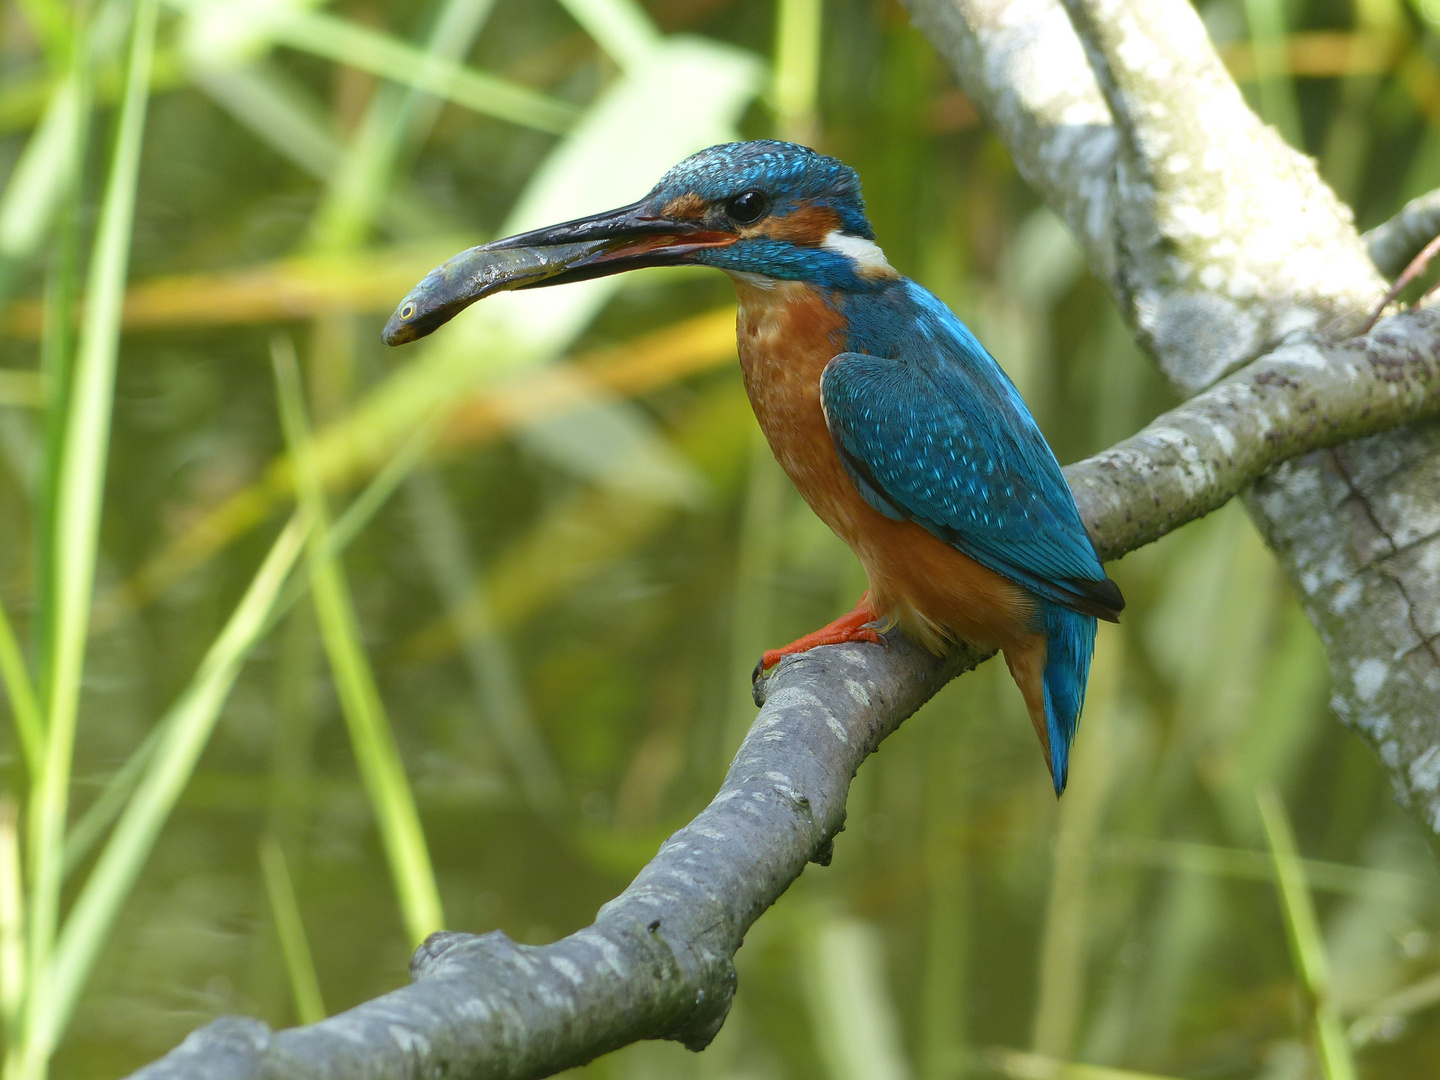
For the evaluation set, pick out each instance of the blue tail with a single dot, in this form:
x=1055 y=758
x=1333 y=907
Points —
x=1067 y=668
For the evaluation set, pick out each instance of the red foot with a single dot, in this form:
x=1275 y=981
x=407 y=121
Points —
x=849 y=627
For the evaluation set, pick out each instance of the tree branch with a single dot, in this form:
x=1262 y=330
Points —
x=1024 y=70
x=658 y=960
x=1307 y=395
x=1248 y=258
x=1224 y=241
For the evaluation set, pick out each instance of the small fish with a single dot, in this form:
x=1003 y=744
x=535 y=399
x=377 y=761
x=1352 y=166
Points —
x=471 y=275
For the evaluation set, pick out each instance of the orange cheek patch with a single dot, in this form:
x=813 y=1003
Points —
x=807 y=226
x=690 y=206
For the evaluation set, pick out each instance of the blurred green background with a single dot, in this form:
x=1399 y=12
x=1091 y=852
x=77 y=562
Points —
x=562 y=545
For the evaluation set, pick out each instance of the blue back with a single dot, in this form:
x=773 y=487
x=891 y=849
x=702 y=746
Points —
x=933 y=430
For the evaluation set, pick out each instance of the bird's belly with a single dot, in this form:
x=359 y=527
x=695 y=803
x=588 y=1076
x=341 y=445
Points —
x=787 y=333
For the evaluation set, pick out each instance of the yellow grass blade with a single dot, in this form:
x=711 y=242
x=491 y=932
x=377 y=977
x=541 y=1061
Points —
x=290 y=928
x=1307 y=946
x=1021 y=1066
x=371 y=736
x=186 y=729
x=295 y=288
x=79 y=496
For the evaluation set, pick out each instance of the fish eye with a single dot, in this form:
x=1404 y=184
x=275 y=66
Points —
x=747 y=208
x=407 y=311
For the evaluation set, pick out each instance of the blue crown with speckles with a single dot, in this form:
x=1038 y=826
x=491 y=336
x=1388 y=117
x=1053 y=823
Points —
x=790 y=175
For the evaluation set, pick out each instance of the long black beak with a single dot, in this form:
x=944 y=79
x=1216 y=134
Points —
x=624 y=239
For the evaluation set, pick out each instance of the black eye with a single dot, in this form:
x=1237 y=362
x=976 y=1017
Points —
x=747 y=208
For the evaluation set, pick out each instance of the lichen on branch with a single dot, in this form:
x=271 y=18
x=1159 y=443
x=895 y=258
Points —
x=1221 y=243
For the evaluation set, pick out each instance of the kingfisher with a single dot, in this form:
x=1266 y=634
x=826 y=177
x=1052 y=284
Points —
x=898 y=428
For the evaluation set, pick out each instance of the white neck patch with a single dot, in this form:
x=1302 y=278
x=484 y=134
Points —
x=869 y=260
x=755 y=281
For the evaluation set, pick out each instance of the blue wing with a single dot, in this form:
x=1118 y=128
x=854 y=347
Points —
x=943 y=439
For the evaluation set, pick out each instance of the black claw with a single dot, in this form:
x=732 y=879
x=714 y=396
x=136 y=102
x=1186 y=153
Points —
x=758 y=672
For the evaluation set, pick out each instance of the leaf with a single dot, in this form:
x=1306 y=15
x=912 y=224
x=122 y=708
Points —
x=638 y=128
x=621 y=28
x=221 y=33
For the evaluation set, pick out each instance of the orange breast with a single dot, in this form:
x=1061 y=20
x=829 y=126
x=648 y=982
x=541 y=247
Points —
x=787 y=333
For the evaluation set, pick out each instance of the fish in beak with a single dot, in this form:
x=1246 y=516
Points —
x=625 y=239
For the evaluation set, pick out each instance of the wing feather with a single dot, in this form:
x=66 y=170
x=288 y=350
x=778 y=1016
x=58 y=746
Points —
x=956 y=451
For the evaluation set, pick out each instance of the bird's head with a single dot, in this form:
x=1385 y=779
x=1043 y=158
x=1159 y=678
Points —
x=765 y=209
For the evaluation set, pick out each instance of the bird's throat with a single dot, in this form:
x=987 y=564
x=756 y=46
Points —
x=786 y=332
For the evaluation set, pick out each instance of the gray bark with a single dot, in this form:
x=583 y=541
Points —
x=1221 y=241
x=1221 y=245
x=1307 y=395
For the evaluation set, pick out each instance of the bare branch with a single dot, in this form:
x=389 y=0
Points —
x=1225 y=227
x=1306 y=395
x=658 y=961
x=1021 y=65
x=1393 y=244
x=1217 y=239
x=1226 y=239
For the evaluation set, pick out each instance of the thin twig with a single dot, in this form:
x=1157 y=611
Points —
x=1417 y=266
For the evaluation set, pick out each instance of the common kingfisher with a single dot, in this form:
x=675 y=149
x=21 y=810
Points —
x=902 y=433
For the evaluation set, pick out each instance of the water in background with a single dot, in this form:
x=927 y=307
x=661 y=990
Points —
x=561 y=603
